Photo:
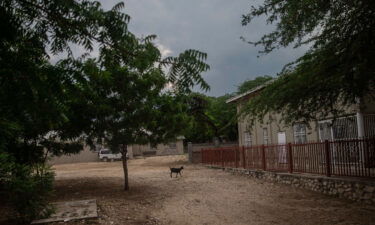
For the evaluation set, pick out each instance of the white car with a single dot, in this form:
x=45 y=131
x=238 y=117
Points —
x=106 y=155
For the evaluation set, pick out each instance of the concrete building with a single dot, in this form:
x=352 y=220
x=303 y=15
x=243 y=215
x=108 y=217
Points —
x=89 y=155
x=357 y=121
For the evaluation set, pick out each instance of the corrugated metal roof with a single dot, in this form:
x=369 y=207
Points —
x=237 y=97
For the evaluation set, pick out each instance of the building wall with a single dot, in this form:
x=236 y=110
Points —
x=273 y=125
x=86 y=155
x=367 y=105
x=160 y=149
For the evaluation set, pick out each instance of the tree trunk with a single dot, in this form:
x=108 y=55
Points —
x=125 y=166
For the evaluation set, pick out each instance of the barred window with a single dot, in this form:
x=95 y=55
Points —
x=265 y=136
x=248 y=140
x=299 y=131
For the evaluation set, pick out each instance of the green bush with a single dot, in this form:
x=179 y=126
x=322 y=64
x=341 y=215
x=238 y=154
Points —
x=27 y=188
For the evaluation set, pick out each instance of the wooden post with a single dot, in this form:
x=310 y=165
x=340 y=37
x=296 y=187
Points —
x=190 y=151
x=328 y=158
x=222 y=157
x=290 y=151
x=243 y=157
x=236 y=157
x=202 y=157
x=264 y=158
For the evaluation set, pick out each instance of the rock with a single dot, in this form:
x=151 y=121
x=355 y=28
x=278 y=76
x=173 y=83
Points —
x=369 y=189
x=367 y=196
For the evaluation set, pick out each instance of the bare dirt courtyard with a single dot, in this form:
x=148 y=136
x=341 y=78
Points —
x=200 y=196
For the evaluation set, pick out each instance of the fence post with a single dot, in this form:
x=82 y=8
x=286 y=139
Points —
x=209 y=156
x=236 y=157
x=290 y=151
x=202 y=157
x=328 y=158
x=264 y=158
x=222 y=157
x=190 y=151
x=243 y=157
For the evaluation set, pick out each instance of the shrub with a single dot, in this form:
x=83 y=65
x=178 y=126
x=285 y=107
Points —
x=27 y=188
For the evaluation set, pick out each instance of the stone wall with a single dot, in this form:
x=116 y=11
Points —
x=356 y=189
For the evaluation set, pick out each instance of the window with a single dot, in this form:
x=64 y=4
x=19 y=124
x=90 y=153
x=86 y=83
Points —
x=325 y=130
x=248 y=141
x=105 y=152
x=299 y=131
x=345 y=128
x=339 y=129
x=265 y=136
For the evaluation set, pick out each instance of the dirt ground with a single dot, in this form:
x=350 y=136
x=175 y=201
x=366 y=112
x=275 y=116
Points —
x=200 y=196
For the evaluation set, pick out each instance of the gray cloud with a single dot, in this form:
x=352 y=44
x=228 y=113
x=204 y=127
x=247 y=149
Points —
x=212 y=26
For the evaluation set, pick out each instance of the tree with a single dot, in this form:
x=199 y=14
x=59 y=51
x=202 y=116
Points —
x=212 y=117
x=55 y=106
x=132 y=105
x=250 y=84
x=336 y=70
x=127 y=85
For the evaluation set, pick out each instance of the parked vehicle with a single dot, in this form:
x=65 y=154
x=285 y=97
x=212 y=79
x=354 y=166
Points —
x=106 y=155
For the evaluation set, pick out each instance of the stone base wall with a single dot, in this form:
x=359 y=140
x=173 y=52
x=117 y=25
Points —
x=356 y=189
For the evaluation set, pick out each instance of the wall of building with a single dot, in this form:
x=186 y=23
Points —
x=138 y=150
x=367 y=105
x=160 y=149
x=273 y=125
x=178 y=149
x=86 y=155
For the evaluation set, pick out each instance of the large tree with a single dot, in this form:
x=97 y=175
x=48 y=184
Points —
x=56 y=106
x=336 y=70
x=133 y=104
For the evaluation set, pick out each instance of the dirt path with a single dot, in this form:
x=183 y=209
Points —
x=200 y=196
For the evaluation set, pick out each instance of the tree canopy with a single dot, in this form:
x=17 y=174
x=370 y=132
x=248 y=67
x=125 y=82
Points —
x=250 y=84
x=336 y=70
x=50 y=106
x=211 y=117
x=119 y=95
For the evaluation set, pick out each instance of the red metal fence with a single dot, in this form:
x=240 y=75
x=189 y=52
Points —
x=339 y=158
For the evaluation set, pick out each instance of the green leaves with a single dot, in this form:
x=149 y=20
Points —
x=334 y=73
x=185 y=70
x=50 y=108
x=250 y=84
x=211 y=117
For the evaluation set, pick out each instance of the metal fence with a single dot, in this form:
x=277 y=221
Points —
x=354 y=158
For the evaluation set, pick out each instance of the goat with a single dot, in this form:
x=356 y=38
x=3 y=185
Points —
x=176 y=170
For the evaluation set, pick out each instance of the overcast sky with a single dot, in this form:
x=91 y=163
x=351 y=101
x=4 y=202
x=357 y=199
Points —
x=211 y=26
